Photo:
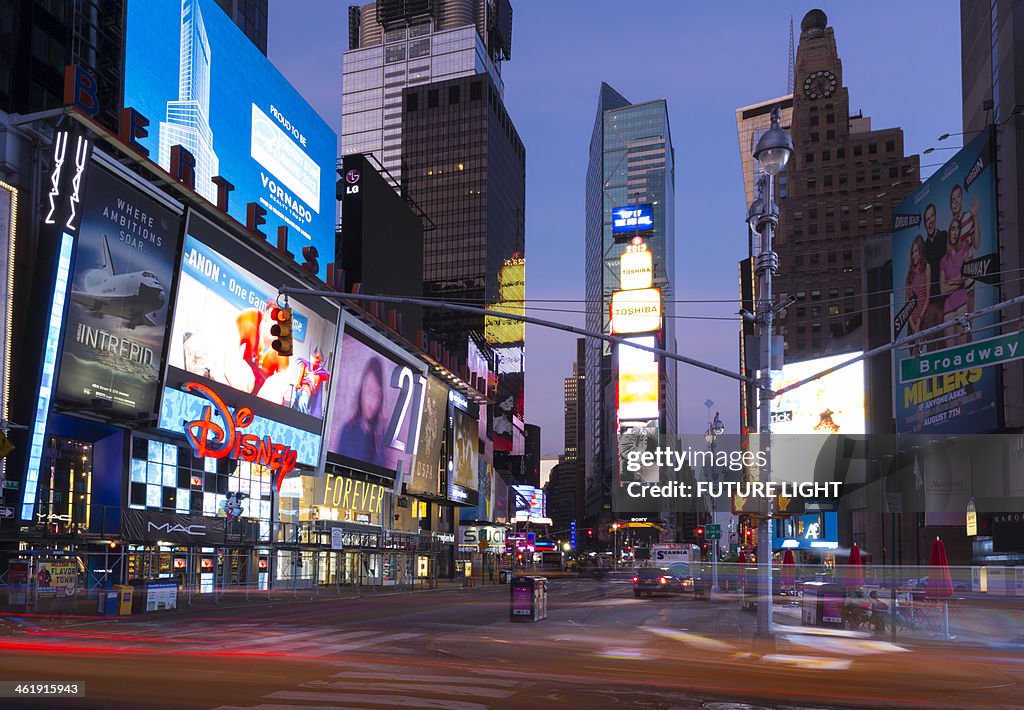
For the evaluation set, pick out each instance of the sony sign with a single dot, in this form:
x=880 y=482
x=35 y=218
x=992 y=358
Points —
x=473 y=535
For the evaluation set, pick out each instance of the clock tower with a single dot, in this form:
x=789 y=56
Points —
x=837 y=192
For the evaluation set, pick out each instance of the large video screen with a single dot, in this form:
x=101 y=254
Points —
x=425 y=477
x=804 y=418
x=221 y=337
x=378 y=403
x=464 y=472
x=203 y=85
x=945 y=263
x=116 y=326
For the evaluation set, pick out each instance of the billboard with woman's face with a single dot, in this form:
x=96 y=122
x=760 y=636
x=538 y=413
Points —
x=378 y=400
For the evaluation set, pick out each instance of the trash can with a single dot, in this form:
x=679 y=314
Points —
x=822 y=604
x=106 y=602
x=505 y=576
x=125 y=594
x=528 y=599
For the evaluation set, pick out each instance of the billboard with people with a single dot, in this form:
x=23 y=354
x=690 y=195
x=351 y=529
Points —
x=945 y=265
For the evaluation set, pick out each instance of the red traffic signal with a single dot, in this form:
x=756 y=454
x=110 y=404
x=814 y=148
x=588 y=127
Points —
x=281 y=330
x=700 y=532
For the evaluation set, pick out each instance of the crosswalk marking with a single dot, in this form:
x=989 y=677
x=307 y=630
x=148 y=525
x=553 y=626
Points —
x=498 y=682
x=376 y=700
x=338 y=648
x=427 y=688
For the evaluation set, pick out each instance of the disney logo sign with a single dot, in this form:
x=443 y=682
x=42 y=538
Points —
x=208 y=438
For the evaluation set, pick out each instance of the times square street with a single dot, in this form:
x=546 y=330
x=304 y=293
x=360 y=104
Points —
x=456 y=648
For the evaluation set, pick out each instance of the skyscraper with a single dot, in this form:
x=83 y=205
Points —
x=251 y=18
x=630 y=200
x=839 y=188
x=395 y=44
x=752 y=122
x=188 y=118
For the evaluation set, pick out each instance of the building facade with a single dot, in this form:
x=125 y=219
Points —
x=394 y=45
x=839 y=188
x=631 y=167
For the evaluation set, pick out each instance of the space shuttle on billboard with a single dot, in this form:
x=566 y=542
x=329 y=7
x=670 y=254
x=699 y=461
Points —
x=132 y=296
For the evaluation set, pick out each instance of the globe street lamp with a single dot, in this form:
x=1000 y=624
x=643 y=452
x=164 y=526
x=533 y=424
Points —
x=715 y=429
x=772 y=153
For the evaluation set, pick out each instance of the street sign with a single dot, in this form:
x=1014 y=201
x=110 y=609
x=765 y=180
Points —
x=6 y=512
x=713 y=532
x=982 y=353
x=11 y=485
x=734 y=548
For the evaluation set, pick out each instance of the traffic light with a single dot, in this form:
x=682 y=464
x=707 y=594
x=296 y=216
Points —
x=700 y=532
x=281 y=330
x=590 y=532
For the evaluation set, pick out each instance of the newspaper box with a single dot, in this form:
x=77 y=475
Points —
x=822 y=604
x=529 y=599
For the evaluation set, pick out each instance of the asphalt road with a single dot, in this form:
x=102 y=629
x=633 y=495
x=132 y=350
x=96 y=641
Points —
x=457 y=649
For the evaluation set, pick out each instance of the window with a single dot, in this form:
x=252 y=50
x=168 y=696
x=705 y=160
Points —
x=815 y=258
x=394 y=35
x=801 y=295
x=890 y=146
x=840 y=153
x=894 y=172
x=809 y=158
x=798 y=260
x=833 y=292
x=858 y=150
x=826 y=155
x=801 y=312
x=872 y=148
x=432 y=98
x=812 y=184
x=813 y=213
x=828 y=181
x=830 y=134
x=815 y=294
x=453 y=94
x=813 y=229
x=412 y=102
x=847 y=255
x=814 y=137
x=815 y=327
x=830 y=118
x=848 y=291
x=474 y=91
x=798 y=214
x=395 y=53
x=814 y=120
x=419 y=48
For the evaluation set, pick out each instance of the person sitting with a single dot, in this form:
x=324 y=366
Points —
x=881 y=615
x=856 y=609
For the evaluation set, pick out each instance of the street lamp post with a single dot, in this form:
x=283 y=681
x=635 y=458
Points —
x=772 y=152
x=715 y=429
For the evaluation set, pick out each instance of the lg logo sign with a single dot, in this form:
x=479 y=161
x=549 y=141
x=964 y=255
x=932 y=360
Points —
x=352 y=178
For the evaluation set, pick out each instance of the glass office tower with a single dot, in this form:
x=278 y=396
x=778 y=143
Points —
x=631 y=165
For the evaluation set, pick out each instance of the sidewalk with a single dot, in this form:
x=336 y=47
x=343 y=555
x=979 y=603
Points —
x=86 y=608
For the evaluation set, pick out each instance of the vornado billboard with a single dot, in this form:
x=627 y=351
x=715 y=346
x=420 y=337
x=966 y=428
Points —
x=945 y=264
x=206 y=87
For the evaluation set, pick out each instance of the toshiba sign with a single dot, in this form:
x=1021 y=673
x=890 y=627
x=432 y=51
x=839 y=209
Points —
x=636 y=311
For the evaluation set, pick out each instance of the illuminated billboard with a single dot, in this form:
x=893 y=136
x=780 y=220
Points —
x=833 y=404
x=425 y=476
x=638 y=380
x=378 y=402
x=530 y=503
x=636 y=268
x=206 y=87
x=511 y=295
x=125 y=262
x=463 y=469
x=220 y=337
x=945 y=263
x=632 y=219
x=637 y=311
x=634 y=439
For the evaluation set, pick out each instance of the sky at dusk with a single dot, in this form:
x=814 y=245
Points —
x=707 y=59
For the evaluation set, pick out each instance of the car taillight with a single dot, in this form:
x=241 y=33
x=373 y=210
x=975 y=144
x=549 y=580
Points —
x=635 y=580
x=663 y=580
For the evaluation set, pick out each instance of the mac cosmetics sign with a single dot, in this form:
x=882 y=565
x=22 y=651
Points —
x=157 y=526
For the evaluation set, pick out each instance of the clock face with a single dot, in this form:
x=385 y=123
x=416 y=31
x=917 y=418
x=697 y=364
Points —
x=820 y=84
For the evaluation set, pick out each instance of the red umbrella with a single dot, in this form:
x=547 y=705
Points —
x=788 y=570
x=854 y=569
x=940 y=585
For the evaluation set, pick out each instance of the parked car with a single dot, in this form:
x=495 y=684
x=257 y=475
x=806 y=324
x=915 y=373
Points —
x=657 y=580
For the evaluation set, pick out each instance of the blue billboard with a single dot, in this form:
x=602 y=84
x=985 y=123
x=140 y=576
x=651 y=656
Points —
x=204 y=86
x=632 y=219
x=945 y=264
x=813 y=531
